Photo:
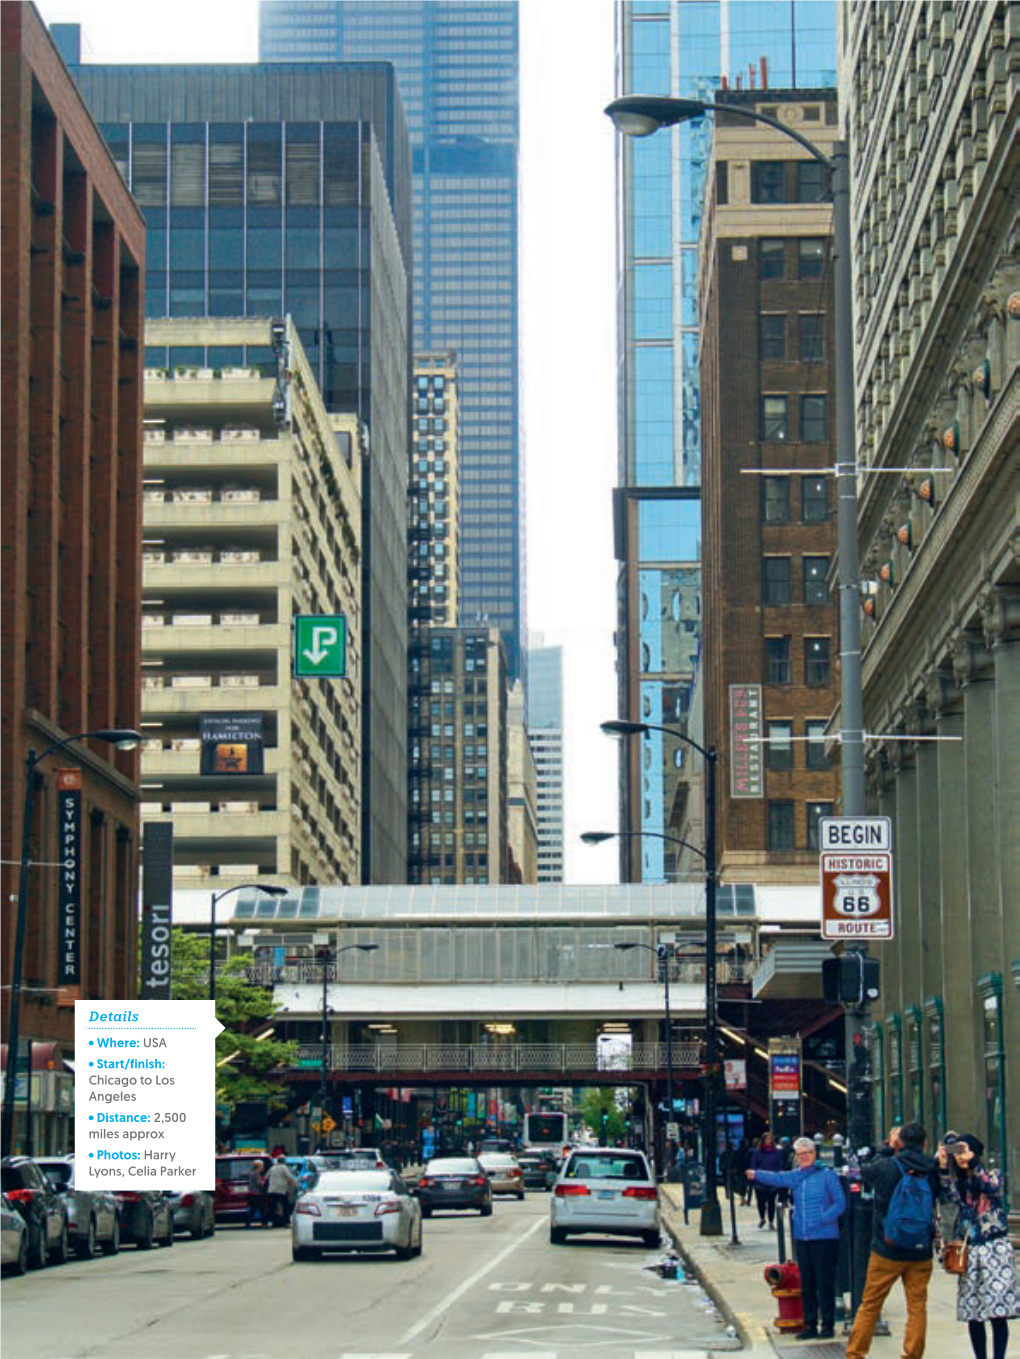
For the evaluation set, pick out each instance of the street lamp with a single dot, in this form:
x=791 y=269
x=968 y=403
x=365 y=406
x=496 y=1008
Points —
x=662 y=953
x=325 y=956
x=267 y=888
x=123 y=738
x=711 y=1213
x=600 y=837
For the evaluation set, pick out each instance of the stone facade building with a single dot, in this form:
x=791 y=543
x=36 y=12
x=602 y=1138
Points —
x=932 y=99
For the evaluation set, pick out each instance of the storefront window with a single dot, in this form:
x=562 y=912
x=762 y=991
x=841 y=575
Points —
x=896 y=1067
x=878 y=1081
x=990 y=990
x=936 y=1068
x=915 y=1068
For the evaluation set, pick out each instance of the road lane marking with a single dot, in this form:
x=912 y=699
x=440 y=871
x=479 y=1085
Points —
x=468 y=1283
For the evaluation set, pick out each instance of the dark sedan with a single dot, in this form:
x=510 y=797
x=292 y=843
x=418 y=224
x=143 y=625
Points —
x=455 y=1182
x=145 y=1217
x=540 y=1169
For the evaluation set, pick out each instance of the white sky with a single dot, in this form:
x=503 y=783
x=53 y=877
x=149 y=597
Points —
x=567 y=328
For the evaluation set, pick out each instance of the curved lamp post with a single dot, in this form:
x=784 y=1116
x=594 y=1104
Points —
x=123 y=738
x=269 y=889
x=662 y=953
x=711 y=1213
x=325 y=956
x=600 y=837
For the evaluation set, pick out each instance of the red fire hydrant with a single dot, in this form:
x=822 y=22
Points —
x=784 y=1280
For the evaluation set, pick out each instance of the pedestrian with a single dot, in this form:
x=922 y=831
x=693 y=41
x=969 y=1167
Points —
x=281 y=1191
x=988 y=1289
x=254 y=1211
x=818 y=1205
x=907 y=1188
x=766 y=1156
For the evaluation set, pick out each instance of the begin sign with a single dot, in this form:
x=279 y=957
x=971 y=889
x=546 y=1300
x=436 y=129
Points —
x=856 y=868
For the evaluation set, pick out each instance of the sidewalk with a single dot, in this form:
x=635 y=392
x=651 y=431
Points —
x=732 y=1277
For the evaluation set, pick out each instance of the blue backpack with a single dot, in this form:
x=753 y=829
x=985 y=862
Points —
x=909 y=1219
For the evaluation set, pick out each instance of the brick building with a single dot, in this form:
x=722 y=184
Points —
x=770 y=636
x=71 y=401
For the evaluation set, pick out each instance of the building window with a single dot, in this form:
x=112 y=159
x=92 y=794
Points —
x=810 y=257
x=815 y=756
x=772 y=255
x=815 y=812
x=812 y=419
x=811 y=185
x=776 y=500
x=816 y=660
x=779 y=751
x=915 y=1072
x=812 y=338
x=781 y=825
x=773 y=337
x=878 y=1076
x=774 y=418
x=775 y=580
x=936 y=1068
x=777 y=659
x=814 y=499
x=816 y=580
x=768 y=181
x=896 y=1068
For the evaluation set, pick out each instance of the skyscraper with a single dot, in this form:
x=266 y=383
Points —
x=283 y=189
x=545 y=732
x=457 y=66
x=689 y=48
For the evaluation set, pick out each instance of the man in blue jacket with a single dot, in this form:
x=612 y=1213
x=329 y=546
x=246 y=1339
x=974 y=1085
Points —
x=818 y=1204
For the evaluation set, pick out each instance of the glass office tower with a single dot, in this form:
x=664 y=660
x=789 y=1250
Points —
x=271 y=190
x=457 y=66
x=693 y=49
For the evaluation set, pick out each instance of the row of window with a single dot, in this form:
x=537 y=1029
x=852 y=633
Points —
x=774 y=338
x=777 y=580
x=785 y=181
x=779 y=752
x=782 y=823
x=814 y=499
x=779 y=660
x=773 y=261
x=777 y=424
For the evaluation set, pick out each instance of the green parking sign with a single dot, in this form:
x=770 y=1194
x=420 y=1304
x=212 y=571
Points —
x=320 y=645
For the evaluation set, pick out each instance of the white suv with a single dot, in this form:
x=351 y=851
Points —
x=607 y=1190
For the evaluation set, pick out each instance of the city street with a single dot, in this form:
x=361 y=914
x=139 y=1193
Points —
x=482 y=1288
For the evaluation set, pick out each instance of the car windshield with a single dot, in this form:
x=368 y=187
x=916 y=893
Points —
x=497 y=1159
x=59 y=1173
x=590 y=1167
x=237 y=1169
x=452 y=1166
x=353 y=1181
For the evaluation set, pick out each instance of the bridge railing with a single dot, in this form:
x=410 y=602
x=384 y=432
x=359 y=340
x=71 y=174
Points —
x=565 y=1058
x=305 y=970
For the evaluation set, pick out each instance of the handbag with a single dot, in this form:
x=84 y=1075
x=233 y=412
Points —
x=954 y=1257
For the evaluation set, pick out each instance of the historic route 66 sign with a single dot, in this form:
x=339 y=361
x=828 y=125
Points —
x=857 y=896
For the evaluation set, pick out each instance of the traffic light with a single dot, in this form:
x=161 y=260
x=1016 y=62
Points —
x=850 y=979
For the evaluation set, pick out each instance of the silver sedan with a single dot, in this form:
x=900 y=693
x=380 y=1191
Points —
x=356 y=1210
x=93 y=1215
x=505 y=1175
x=13 y=1239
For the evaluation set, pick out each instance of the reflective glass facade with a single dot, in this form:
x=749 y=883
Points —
x=282 y=189
x=685 y=48
x=457 y=65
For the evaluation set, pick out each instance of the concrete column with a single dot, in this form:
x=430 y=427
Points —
x=979 y=822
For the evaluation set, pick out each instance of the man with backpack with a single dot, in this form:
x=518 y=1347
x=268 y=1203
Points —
x=906 y=1187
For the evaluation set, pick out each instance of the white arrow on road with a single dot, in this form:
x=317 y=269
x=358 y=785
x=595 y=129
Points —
x=329 y=635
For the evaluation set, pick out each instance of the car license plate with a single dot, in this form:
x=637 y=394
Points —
x=451 y=1184
x=345 y=1210
x=605 y=1194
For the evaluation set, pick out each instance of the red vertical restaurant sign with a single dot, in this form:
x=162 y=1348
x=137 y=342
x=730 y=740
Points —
x=745 y=741
x=69 y=889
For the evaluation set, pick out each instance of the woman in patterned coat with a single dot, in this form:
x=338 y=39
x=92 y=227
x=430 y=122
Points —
x=988 y=1290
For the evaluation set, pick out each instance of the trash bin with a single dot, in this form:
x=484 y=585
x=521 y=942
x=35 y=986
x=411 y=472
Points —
x=694 y=1185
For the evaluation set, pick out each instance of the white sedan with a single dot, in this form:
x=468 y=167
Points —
x=606 y=1190
x=356 y=1210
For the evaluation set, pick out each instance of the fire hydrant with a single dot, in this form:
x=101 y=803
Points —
x=784 y=1280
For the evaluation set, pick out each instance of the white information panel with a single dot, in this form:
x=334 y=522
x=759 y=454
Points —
x=145 y=1094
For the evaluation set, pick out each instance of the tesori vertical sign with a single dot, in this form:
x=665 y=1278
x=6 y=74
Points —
x=69 y=891
x=157 y=910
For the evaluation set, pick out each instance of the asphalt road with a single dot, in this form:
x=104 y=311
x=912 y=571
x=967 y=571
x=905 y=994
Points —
x=484 y=1288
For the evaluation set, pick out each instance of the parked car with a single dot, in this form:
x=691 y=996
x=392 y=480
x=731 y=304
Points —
x=93 y=1215
x=145 y=1217
x=356 y=1210
x=605 y=1190
x=540 y=1168
x=193 y=1211
x=42 y=1208
x=13 y=1239
x=454 y=1182
x=232 y=1171
x=505 y=1175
